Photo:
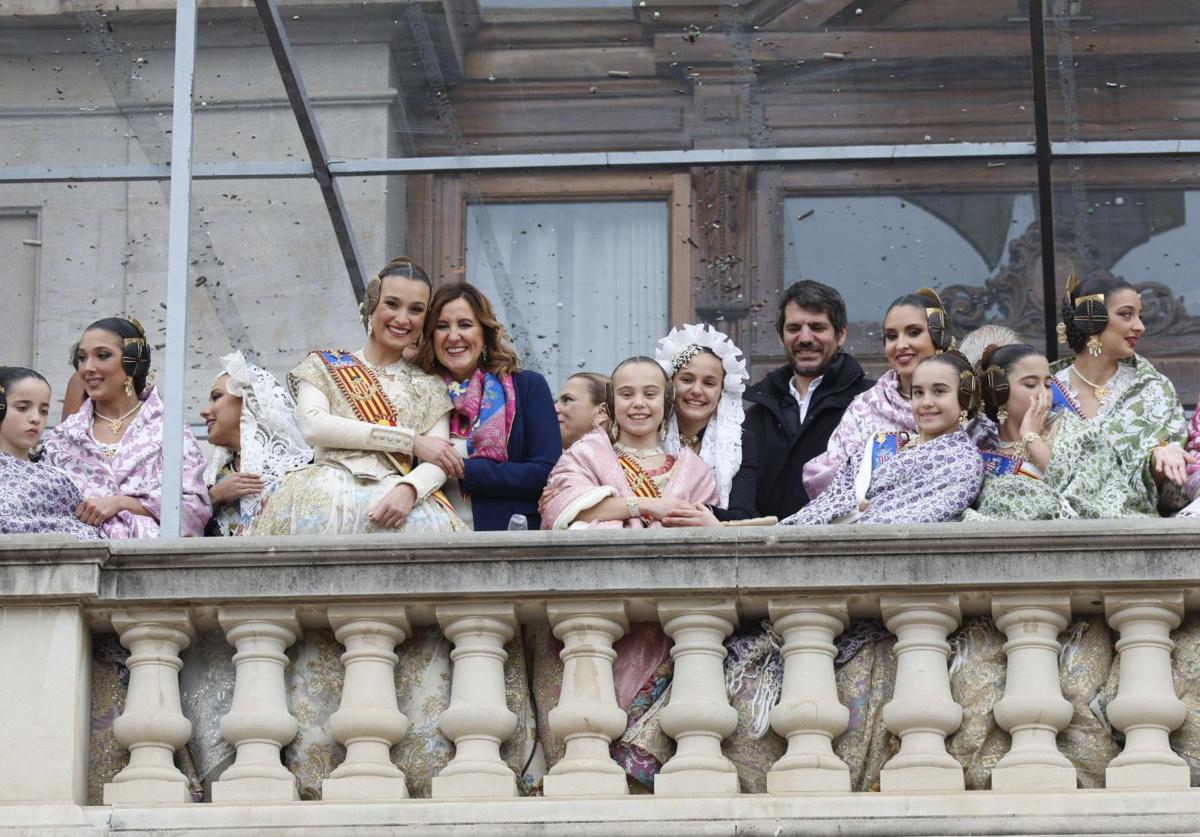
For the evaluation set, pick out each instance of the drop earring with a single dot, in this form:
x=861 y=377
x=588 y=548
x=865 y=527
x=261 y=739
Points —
x=963 y=419
x=128 y=387
x=1094 y=346
x=1002 y=416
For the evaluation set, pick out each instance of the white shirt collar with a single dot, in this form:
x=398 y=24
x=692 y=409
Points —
x=803 y=402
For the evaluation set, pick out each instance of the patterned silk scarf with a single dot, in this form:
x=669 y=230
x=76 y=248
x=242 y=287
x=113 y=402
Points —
x=484 y=408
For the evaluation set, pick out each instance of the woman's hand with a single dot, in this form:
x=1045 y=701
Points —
x=660 y=508
x=235 y=487
x=1039 y=410
x=697 y=514
x=393 y=510
x=1170 y=462
x=439 y=452
x=95 y=510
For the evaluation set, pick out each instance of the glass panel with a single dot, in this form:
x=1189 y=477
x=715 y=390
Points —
x=537 y=76
x=1123 y=69
x=72 y=254
x=267 y=277
x=92 y=88
x=580 y=286
x=1139 y=220
x=967 y=230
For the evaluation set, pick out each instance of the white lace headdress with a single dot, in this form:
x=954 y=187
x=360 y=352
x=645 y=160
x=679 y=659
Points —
x=269 y=431
x=721 y=448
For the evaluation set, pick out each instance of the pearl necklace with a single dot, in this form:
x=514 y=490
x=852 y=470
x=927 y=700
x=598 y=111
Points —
x=638 y=453
x=1099 y=390
x=115 y=424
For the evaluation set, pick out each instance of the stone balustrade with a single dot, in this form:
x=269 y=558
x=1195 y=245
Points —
x=588 y=588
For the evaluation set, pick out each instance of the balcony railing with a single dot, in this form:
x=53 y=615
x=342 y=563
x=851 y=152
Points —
x=1140 y=578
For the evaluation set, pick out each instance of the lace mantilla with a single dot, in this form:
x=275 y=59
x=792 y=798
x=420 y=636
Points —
x=721 y=447
x=269 y=431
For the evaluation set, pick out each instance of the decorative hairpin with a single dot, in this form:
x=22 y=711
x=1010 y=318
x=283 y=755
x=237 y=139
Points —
x=684 y=356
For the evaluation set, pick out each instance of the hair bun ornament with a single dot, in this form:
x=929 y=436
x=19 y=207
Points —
x=133 y=321
x=678 y=348
x=1089 y=315
x=938 y=320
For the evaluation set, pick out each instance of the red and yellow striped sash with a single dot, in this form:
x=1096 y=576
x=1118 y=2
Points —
x=365 y=396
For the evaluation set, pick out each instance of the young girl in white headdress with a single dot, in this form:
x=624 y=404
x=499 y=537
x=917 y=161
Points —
x=709 y=375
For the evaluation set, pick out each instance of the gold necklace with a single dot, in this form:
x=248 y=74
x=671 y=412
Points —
x=690 y=441
x=1099 y=390
x=638 y=453
x=115 y=424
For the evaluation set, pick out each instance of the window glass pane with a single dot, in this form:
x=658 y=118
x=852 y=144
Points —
x=1139 y=221
x=579 y=285
x=969 y=231
x=1123 y=69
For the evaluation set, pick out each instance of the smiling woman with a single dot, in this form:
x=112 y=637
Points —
x=916 y=326
x=112 y=447
x=932 y=478
x=361 y=411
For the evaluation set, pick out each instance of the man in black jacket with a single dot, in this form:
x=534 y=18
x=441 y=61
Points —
x=795 y=409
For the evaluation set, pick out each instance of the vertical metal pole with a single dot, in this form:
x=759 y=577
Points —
x=1041 y=116
x=175 y=377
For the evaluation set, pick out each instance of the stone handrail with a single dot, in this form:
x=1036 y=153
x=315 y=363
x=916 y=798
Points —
x=1143 y=576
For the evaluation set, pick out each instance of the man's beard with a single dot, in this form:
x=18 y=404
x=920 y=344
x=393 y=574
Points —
x=813 y=371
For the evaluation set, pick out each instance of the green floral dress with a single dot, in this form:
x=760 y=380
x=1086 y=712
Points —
x=1077 y=482
x=1140 y=411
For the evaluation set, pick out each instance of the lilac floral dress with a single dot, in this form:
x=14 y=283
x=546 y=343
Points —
x=932 y=482
x=879 y=409
x=38 y=499
x=131 y=468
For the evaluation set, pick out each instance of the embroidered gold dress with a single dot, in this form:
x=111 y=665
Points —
x=357 y=462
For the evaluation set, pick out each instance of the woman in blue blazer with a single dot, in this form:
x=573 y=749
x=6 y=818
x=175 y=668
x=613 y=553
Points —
x=503 y=429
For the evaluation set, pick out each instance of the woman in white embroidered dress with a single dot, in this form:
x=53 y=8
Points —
x=364 y=413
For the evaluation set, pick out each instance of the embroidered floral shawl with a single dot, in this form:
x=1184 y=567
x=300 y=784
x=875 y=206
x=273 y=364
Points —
x=135 y=471
x=484 y=408
x=37 y=499
x=881 y=408
x=589 y=471
x=932 y=482
x=1141 y=411
x=1077 y=482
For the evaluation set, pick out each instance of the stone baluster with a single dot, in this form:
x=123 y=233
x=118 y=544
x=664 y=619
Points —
x=152 y=726
x=1146 y=707
x=587 y=717
x=258 y=724
x=809 y=714
x=1033 y=708
x=698 y=715
x=922 y=712
x=368 y=721
x=478 y=719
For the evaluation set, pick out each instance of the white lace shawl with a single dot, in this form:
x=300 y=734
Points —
x=270 y=433
x=721 y=447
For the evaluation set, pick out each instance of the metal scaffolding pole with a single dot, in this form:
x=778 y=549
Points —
x=306 y=120
x=175 y=377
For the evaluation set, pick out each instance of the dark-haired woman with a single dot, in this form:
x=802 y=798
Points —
x=35 y=498
x=112 y=447
x=361 y=412
x=1047 y=465
x=933 y=477
x=1121 y=393
x=580 y=406
x=504 y=431
x=916 y=326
